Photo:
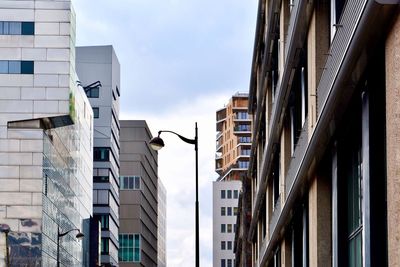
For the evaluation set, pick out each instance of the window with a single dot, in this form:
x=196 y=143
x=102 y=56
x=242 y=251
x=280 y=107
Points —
x=104 y=246
x=229 y=193
x=100 y=175
x=101 y=154
x=235 y=211
x=96 y=113
x=129 y=248
x=229 y=261
x=229 y=213
x=130 y=182
x=103 y=218
x=229 y=245
x=100 y=197
x=244 y=139
x=93 y=92
x=223 y=228
x=223 y=245
x=17 y=28
x=222 y=194
x=236 y=194
x=223 y=263
x=16 y=67
x=229 y=228
x=223 y=211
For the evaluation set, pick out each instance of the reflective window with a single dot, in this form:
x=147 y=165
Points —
x=129 y=248
x=235 y=193
x=229 y=213
x=222 y=194
x=223 y=211
x=104 y=246
x=101 y=154
x=229 y=228
x=130 y=182
x=104 y=220
x=223 y=228
x=16 y=67
x=235 y=211
x=17 y=28
x=92 y=92
x=96 y=112
x=229 y=193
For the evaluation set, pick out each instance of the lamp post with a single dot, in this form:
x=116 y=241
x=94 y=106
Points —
x=157 y=143
x=79 y=235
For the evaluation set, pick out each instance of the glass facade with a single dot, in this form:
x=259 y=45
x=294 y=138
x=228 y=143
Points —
x=129 y=250
x=130 y=182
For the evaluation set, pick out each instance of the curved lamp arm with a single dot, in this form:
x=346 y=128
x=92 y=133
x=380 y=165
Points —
x=184 y=139
x=63 y=234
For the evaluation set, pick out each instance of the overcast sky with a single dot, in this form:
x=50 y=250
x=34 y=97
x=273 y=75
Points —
x=181 y=60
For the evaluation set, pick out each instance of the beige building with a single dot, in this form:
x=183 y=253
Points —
x=324 y=164
x=233 y=138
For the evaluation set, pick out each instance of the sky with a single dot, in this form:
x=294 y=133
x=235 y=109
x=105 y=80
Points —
x=181 y=60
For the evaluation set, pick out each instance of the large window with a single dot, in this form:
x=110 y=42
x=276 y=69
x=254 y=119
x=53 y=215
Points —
x=104 y=246
x=130 y=182
x=17 y=28
x=101 y=154
x=129 y=248
x=16 y=67
x=101 y=175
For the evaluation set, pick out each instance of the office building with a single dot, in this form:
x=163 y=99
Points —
x=324 y=162
x=46 y=129
x=99 y=73
x=232 y=158
x=138 y=196
x=162 y=225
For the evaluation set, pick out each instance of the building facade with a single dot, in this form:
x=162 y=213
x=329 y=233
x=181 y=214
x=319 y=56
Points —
x=138 y=196
x=162 y=225
x=232 y=158
x=324 y=163
x=46 y=129
x=99 y=73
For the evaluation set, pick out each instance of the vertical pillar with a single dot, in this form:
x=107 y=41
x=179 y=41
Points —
x=392 y=57
x=317 y=49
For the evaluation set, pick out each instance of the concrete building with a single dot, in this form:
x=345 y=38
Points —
x=46 y=129
x=138 y=196
x=162 y=225
x=99 y=72
x=324 y=164
x=231 y=162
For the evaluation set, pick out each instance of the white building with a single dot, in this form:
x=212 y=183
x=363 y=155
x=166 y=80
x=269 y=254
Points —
x=225 y=207
x=46 y=129
x=162 y=225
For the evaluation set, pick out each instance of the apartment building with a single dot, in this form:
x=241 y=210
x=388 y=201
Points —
x=232 y=158
x=99 y=73
x=138 y=195
x=46 y=129
x=324 y=159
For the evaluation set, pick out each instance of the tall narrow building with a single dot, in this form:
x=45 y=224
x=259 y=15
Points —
x=46 y=129
x=232 y=160
x=138 y=192
x=324 y=164
x=99 y=73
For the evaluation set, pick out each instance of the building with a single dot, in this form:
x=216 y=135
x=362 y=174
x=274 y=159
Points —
x=46 y=129
x=231 y=163
x=162 y=225
x=324 y=162
x=99 y=72
x=138 y=195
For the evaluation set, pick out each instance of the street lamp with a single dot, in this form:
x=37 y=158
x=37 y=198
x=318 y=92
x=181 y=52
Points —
x=157 y=143
x=79 y=235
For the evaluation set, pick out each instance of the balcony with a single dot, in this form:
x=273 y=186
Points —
x=241 y=116
x=242 y=129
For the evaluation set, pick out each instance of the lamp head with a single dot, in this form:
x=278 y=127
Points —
x=79 y=235
x=156 y=143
